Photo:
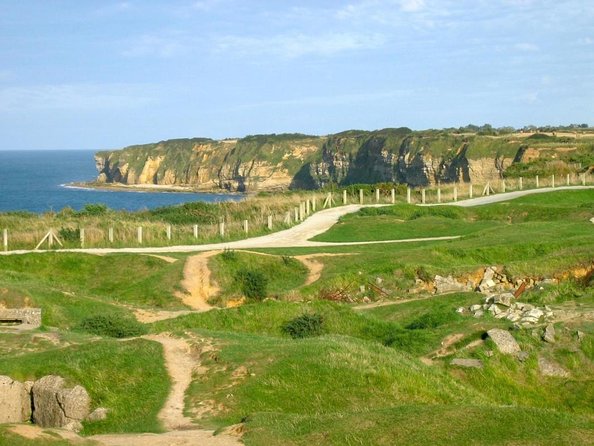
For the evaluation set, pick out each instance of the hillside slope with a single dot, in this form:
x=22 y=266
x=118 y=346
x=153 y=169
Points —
x=266 y=162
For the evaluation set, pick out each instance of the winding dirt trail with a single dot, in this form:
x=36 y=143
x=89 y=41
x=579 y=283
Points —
x=199 y=288
x=315 y=267
x=181 y=364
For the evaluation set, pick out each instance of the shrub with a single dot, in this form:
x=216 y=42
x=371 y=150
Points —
x=94 y=209
x=304 y=326
x=252 y=284
x=69 y=234
x=228 y=255
x=112 y=325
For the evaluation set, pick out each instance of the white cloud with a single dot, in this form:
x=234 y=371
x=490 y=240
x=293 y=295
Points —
x=297 y=45
x=80 y=97
x=160 y=45
x=524 y=46
x=412 y=5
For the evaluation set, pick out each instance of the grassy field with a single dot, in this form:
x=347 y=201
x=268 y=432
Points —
x=365 y=379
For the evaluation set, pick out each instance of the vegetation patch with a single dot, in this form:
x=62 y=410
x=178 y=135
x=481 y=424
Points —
x=112 y=325
x=304 y=326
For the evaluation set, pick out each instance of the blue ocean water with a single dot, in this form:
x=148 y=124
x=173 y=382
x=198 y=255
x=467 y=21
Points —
x=34 y=181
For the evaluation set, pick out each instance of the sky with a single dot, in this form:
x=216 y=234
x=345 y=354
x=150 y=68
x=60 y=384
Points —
x=106 y=74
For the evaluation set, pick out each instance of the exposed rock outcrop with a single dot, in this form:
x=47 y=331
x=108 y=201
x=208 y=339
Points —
x=57 y=406
x=307 y=162
x=15 y=401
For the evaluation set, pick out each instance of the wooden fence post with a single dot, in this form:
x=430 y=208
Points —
x=439 y=194
x=139 y=234
x=393 y=196
x=377 y=195
x=503 y=186
x=270 y=222
x=423 y=196
x=222 y=229
x=553 y=180
x=470 y=191
x=246 y=227
x=168 y=230
x=307 y=207
x=344 y=197
x=296 y=214
x=110 y=234
x=5 y=239
x=521 y=183
x=313 y=203
x=583 y=179
x=537 y=182
x=82 y=237
x=360 y=196
x=568 y=180
x=455 y=193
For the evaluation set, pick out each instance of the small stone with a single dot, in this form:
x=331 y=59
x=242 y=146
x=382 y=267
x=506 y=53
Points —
x=549 y=334
x=534 y=313
x=366 y=299
x=580 y=335
x=489 y=353
x=479 y=313
x=551 y=368
x=474 y=308
x=522 y=356
x=494 y=310
x=504 y=299
x=529 y=320
x=468 y=363
x=504 y=341
x=15 y=401
x=98 y=414
x=379 y=280
x=460 y=310
x=362 y=288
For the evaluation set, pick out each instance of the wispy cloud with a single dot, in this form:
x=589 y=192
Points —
x=524 y=46
x=412 y=5
x=296 y=45
x=342 y=99
x=165 y=45
x=79 y=97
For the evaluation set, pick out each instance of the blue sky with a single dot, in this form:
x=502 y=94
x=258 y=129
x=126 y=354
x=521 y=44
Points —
x=105 y=74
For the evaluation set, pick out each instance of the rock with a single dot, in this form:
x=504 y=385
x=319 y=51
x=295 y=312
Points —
x=55 y=406
x=522 y=356
x=504 y=341
x=15 y=402
x=529 y=320
x=467 y=362
x=98 y=414
x=504 y=299
x=474 y=308
x=489 y=353
x=379 y=280
x=494 y=310
x=479 y=313
x=549 y=334
x=461 y=310
x=551 y=368
x=580 y=335
x=447 y=285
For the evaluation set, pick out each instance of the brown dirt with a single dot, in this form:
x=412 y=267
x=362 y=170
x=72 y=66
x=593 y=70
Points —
x=149 y=316
x=314 y=267
x=32 y=432
x=165 y=258
x=197 y=283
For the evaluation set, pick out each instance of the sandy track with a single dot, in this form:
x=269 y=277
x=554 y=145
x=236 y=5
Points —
x=314 y=266
x=180 y=363
x=199 y=288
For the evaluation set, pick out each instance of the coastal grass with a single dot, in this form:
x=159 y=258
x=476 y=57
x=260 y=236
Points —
x=119 y=278
x=118 y=375
x=281 y=274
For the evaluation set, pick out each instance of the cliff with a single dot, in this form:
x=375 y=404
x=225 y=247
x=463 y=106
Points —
x=266 y=162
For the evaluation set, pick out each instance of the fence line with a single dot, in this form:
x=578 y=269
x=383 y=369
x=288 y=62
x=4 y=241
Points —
x=165 y=233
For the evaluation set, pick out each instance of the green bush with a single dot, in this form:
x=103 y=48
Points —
x=253 y=284
x=94 y=209
x=229 y=255
x=304 y=326
x=112 y=325
x=69 y=234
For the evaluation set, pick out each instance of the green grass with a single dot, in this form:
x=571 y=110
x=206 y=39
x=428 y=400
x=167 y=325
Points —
x=423 y=424
x=120 y=278
x=48 y=438
x=128 y=378
x=283 y=274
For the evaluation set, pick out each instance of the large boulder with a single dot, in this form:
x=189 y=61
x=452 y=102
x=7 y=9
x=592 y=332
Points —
x=56 y=406
x=504 y=341
x=448 y=285
x=15 y=401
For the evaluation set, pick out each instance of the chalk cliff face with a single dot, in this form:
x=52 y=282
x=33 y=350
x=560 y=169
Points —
x=267 y=162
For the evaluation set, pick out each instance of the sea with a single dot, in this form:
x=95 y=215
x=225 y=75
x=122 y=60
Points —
x=38 y=181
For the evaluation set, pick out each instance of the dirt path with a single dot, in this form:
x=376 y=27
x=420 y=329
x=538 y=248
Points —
x=313 y=266
x=181 y=364
x=199 y=288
